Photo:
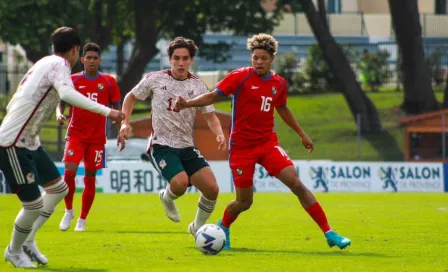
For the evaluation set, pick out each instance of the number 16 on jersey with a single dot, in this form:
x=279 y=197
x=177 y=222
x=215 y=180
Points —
x=265 y=103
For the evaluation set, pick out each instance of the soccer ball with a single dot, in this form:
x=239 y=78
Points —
x=210 y=239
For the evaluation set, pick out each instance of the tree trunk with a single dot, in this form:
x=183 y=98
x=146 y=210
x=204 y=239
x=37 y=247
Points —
x=445 y=97
x=418 y=94
x=101 y=28
x=145 y=34
x=322 y=12
x=357 y=100
x=120 y=58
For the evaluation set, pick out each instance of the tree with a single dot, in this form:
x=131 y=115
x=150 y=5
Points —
x=144 y=22
x=20 y=23
x=418 y=94
x=357 y=100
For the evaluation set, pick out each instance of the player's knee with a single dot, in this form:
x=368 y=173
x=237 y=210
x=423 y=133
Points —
x=245 y=204
x=179 y=183
x=59 y=189
x=35 y=206
x=213 y=191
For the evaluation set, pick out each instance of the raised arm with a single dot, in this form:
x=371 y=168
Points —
x=200 y=101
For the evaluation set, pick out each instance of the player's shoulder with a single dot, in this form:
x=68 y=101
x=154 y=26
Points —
x=107 y=76
x=197 y=81
x=277 y=77
x=243 y=71
x=76 y=75
x=158 y=74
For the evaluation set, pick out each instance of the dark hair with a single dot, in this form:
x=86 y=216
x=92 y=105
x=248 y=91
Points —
x=64 y=39
x=181 y=42
x=91 y=47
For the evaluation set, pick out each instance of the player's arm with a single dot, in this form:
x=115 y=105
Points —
x=288 y=117
x=215 y=126
x=128 y=107
x=64 y=86
x=60 y=117
x=199 y=101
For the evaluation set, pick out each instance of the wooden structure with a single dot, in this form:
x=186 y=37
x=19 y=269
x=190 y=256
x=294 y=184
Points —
x=204 y=139
x=423 y=136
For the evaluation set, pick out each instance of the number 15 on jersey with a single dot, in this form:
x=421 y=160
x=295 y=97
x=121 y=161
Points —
x=265 y=103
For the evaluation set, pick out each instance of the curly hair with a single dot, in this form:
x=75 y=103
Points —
x=263 y=41
x=181 y=42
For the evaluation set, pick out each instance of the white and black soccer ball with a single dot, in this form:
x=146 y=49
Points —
x=210 y=239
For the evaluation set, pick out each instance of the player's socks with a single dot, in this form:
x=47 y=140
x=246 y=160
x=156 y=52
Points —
x=52 y=196
x=167 y=197
x=317 y=213
x=69 y=178
x=205 y=210
x=24 y=224
x=228 y=219
x=87 y=196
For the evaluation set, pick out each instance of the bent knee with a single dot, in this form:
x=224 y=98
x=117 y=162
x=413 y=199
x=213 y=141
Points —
x=36 y=205
x=245 y=205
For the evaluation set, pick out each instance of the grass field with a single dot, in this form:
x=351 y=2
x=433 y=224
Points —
x=389 y=232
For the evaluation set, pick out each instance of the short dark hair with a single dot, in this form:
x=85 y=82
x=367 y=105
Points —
x=64 y=39
x=91 y=47
x=181 y=42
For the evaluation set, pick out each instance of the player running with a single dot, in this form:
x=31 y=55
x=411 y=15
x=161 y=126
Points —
x=172 y=152
x=23 y=160
x=86 y=133
x=256 y=92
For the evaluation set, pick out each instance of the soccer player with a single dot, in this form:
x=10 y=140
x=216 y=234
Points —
x=23 y=160
x=86 y=133
x=172 y=152
x=256 y=92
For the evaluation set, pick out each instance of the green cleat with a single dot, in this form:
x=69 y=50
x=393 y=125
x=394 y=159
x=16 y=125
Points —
x=334 y=239
x=227 y=232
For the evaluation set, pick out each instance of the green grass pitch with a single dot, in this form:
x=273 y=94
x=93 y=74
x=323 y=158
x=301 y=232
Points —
x=389 y=232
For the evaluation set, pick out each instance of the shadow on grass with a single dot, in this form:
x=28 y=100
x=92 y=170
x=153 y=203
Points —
x=385 y=144
x=307 y=253
x=69 y=269
x=140 y=232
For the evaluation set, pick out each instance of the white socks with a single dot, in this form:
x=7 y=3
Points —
x=205 y=210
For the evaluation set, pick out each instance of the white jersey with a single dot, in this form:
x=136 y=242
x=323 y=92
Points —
x=36 y=99
x=171 y=127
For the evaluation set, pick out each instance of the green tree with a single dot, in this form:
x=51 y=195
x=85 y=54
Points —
x=146 y=22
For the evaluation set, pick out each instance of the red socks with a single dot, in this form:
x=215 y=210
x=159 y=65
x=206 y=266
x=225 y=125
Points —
x=228 y=219
x=318 y=215
x=88 y=196
x=69 y=178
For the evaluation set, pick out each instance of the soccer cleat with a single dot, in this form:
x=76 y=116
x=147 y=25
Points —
x=227 y=232
x=66 y=221
x=19 y=259
x=80 y=225
x=34 y=254
x=192 y=230
x=334 y=239
x=170 y=208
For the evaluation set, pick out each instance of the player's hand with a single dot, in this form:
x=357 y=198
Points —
x=116 y=116
x=222 y=143
x=180 y=103
x=125 y=131
x=121 y=143
x=61 y=119
x=308 y=144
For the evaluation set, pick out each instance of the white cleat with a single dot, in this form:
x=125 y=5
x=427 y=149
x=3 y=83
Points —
x=66 y=221
x=34 y=254
x=80 y=225
x=192 y=229
x=18 y=260
x=170 y=208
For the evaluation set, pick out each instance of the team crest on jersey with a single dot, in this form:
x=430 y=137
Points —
x=274 y=90
x=30 y=178
x=162 y=164
x=239 y=172
x=100 y=86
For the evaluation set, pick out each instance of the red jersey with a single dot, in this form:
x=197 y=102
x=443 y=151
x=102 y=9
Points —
x=253 y=102
x=87 y=126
